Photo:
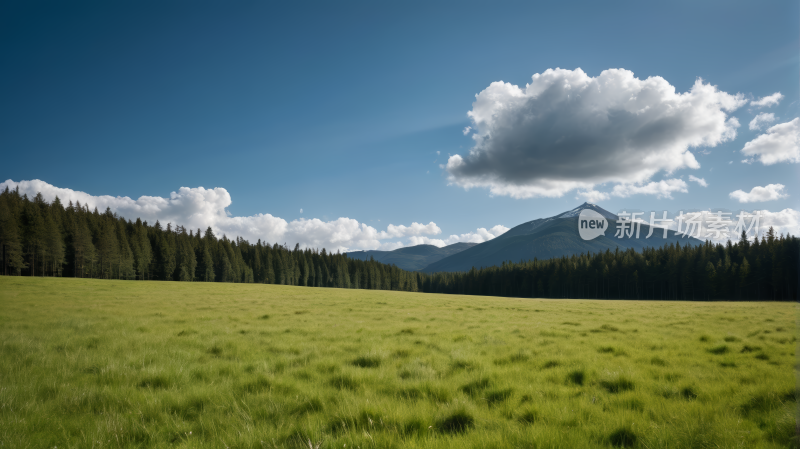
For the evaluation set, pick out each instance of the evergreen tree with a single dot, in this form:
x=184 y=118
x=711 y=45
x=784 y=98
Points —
x=10 y=242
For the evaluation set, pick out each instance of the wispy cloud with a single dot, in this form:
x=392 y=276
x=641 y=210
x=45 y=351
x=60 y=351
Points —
x=768 y=101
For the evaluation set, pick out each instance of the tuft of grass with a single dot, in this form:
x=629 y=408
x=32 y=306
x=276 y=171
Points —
x=155 y=382
x=518 y=357
x=551 y=364
x=460 y=364
x=415 y=427
x=263 y=317
x=720 y=349
x=767 y=402
x=623 y=437
x=313 y=405
x=611 y=350
x=475 y=387
x=618 y=384
x=457 y=422
x=255 y=386
x=366 y=361
x=529 y=416
x=658 y=361
x=747 y=348
x=688 y=393
x=215 y=350
x=343 y=382
x=576 y=377
x=495 y=396
x=401 y=353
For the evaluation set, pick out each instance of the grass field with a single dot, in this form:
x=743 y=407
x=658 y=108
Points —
x=89 y=363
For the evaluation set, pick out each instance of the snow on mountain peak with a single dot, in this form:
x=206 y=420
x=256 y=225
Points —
x=577 y=211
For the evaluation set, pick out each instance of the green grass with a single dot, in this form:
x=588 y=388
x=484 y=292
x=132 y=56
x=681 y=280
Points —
x=160 y=364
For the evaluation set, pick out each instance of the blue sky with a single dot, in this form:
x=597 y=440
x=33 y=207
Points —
x=340 y=108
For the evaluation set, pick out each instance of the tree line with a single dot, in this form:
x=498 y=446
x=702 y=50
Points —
x=38 y=238
x=764 y=269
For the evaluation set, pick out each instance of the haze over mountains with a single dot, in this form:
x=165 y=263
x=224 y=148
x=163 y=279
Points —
x=546 y=238
x=543 y=238
x=412 y=258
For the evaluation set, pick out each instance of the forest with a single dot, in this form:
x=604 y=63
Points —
x=38 y=238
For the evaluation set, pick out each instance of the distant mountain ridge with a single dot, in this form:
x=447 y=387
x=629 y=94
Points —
x=547 y=238
x=412 y=258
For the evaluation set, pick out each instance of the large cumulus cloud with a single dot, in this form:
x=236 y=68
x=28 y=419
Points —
x=566 y=130
x=199 y=208
x=781 y=143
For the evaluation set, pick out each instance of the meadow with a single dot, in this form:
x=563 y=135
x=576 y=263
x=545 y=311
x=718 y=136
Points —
x=99 y=363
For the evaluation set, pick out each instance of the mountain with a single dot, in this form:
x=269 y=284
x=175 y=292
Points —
x=412 y=258
x=546 y=238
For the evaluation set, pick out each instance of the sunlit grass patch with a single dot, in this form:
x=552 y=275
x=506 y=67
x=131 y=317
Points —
x=217 y=365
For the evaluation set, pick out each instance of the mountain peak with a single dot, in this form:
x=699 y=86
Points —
x=594 y=207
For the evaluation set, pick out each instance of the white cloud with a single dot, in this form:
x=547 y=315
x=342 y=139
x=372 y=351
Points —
x=466 y=130
x=414 y=229
x=785 y=221
x=479 y=236
x=768 y=101
x=761 y=120
x=566 y=131
x=781 y=143
x=661 y=189
x=301 y=210
x=198 y=208
x=701 y=181
x=592 y=196
x=757 y=194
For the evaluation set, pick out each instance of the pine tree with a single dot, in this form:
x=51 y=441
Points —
x=125 y=261
x=208 y=265
x=744 y=274
x=225 y=270
x=108 y=249
x=55 y=244
x=166 y=252
x=10 y=242
x=186 y=261
x=34 y=236
x=269 y=273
